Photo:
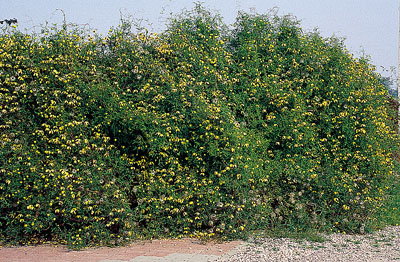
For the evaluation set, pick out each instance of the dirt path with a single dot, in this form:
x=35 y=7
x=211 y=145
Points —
x=155 y=248
x=383 y=245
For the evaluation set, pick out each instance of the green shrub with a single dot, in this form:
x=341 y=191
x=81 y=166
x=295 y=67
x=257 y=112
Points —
x=200 y=131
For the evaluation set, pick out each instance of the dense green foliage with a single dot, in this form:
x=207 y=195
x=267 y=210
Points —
x=200 y=131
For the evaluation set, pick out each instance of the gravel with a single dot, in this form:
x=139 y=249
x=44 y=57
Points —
x=383 y=245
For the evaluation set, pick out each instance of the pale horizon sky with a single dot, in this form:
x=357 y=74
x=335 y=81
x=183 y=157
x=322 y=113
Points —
x=369 y=26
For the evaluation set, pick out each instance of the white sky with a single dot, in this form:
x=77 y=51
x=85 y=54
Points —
x=369 y=26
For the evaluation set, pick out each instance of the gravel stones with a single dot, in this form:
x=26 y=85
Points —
x=383 y=245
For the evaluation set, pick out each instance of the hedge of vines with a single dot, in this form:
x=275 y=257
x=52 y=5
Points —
x=203 y=130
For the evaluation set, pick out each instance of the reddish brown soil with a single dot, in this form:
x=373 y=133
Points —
x=159 y=248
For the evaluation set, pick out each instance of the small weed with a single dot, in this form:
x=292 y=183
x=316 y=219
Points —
x=299 y=236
